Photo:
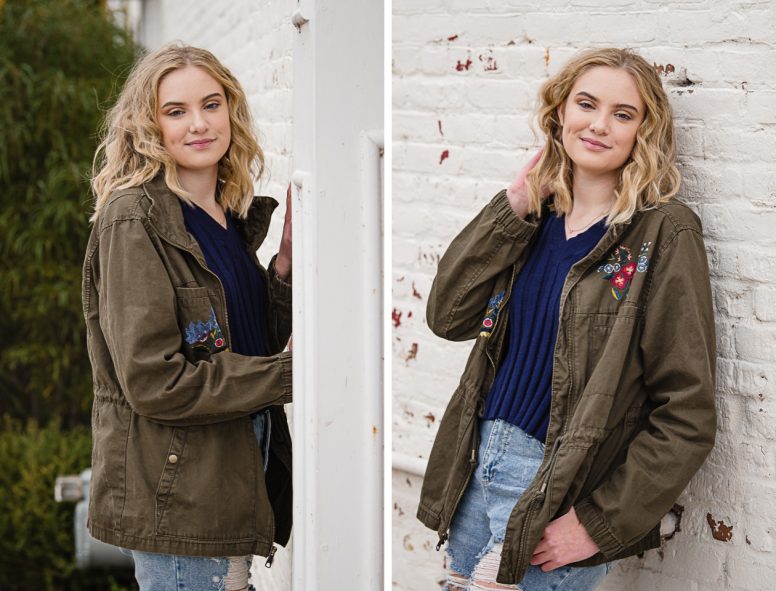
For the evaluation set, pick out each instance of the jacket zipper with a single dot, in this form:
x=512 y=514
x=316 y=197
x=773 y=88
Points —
x=538 y=499
x=271 y=556
x=473 y=459
x=503 y=304
x=443 y=536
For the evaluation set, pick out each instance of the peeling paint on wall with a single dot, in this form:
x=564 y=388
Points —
x=445 y=155
x=720 y=531
x=488 y=61
x=463 y=66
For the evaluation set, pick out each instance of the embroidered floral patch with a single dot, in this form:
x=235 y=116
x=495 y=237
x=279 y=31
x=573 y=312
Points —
x=494 y=305
x=205 y=336
x=621 y=268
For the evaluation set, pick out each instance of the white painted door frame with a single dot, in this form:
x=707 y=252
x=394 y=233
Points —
x=338 y=328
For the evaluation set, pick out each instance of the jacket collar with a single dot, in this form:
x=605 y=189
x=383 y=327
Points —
x=167 y=218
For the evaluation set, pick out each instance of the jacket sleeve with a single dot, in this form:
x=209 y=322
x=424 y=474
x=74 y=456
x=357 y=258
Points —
x=465 y=278
x=678 y=348
x=138 y=318
x=280 y=318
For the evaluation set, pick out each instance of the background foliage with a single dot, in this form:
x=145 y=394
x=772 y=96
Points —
x=61 y=64
x=36 y=533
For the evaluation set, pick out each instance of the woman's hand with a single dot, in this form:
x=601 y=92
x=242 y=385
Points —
x=565 y=541
x=283 y=262
x=517 y=193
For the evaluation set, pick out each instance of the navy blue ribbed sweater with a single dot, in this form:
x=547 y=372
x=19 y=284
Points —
x=522 y=390
x=244 y=286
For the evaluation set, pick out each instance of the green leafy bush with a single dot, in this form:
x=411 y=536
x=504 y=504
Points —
x=61 y=63
x=36 y=533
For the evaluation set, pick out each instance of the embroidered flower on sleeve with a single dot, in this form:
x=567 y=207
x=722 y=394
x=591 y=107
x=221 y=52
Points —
x=205 y=336
x=621 y=268
x=494 y=305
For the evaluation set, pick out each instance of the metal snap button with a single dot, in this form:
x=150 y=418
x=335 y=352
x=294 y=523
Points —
x=172 y=459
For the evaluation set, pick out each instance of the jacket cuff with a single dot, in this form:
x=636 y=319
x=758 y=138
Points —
x=506 y=217
x=286 y=376
x=593 y=521
x=281 y=287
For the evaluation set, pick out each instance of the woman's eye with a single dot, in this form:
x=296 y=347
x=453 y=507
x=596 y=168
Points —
x=175 y=112
x=212 y=106
x=623 y=116
x=585 y=105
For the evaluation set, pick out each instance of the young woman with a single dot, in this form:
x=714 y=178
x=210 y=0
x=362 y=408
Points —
x=587 y=402
x=191 y=466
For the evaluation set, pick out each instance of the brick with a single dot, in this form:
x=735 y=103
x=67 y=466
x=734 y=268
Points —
x=757 y=570
x=755 y=343
x=760 y=186
x=427 y=94
x=708 y=562
x=765 y=303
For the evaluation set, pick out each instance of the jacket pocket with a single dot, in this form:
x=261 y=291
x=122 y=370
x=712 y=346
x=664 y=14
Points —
x=611 y=452
x=200 y=331
x=214 y=488
x=169 y=474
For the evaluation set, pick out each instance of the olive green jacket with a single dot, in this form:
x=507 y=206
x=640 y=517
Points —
x=632 y=415
x=176 y=467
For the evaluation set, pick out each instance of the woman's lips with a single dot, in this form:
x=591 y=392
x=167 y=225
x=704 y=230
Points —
x=593 y=145
x=200 y=144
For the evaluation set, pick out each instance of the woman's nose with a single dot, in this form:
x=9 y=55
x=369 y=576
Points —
x=198 y=123
x=599 y=125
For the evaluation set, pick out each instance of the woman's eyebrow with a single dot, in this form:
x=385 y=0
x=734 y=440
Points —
x=180 y=104
x=618 y=106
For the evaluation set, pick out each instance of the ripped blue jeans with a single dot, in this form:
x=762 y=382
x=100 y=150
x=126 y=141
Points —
x=508 y=460
x=169 y=572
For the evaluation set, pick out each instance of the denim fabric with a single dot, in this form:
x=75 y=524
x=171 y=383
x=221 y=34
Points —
x=508 y=459
x=262 y=427
x=168 y=572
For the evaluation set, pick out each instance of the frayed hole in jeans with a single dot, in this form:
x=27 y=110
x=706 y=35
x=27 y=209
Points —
x=238 y=573
x=456 y=581
x=484 y=576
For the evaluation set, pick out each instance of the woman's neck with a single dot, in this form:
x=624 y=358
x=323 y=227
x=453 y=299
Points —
x=200 y=184
x=592 y=193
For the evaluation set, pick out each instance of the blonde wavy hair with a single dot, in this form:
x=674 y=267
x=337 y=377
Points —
x=649 y=176
x=132 y=152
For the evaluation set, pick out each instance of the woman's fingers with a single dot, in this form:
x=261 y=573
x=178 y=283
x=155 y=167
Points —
x=531 y=163
x=517 y=193
x=283 y=262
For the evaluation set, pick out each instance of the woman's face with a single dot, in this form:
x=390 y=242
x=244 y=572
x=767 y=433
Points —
x=600 y=118
x=194 y=118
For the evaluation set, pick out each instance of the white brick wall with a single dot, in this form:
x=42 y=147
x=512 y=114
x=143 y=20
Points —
x=254 y=39
x=465 y=80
